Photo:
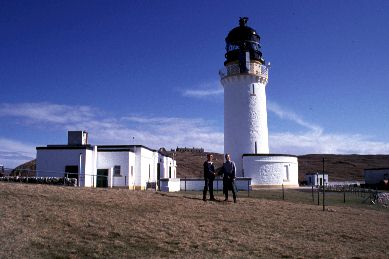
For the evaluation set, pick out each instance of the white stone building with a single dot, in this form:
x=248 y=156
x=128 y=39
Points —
x=244 y=78
x=129 y=166
x=316 y=179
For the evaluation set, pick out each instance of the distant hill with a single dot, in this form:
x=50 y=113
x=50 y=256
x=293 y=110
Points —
x=338 y=167
x=24 y=169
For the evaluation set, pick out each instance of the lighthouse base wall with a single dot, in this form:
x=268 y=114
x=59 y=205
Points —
x=271 y=170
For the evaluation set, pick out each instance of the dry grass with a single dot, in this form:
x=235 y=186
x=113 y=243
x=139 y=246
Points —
x=68 y=222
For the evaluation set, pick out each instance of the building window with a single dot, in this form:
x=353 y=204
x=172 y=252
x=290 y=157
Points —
x=116 y=170
x=170 y=172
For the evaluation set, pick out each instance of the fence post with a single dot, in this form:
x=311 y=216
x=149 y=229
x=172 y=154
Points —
x=323 y=196
x=313 y=197
x=344 y=194
x=318 y=196
x=185 y=184
x=248 y=188
x=283 y=192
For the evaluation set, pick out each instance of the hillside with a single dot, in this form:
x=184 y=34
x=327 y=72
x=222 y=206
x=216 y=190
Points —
x=40 y=221
x=339 y=167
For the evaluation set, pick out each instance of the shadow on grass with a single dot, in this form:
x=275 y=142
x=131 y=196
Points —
x=186 y=197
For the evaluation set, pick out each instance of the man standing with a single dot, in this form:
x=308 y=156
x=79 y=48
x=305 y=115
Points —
x=209 y=176
x=229 y=172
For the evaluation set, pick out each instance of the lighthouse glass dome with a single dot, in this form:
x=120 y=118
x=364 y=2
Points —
x=241 y=40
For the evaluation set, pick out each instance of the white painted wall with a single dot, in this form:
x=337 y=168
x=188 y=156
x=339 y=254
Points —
x=52 y=163
x=170 y=185
x=165 y=164
x=146 y=166
x=271 y=170
x=196 y=184
x=143 y=163
x=108 y=160
x=245 y=117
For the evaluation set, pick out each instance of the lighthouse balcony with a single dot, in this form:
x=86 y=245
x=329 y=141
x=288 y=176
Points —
x=250 y=69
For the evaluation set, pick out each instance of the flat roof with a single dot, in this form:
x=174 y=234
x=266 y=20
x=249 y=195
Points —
x=89 y=147
x=100 y=148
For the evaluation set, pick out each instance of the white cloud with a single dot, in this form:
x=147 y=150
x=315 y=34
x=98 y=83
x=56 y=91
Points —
x=153 y=132
x=47 y=112
x=202 y=93
x=316 y=140
x=14 y=153
x=210 y=89
x=290 y=115
x=309 y=142
x=169 y=132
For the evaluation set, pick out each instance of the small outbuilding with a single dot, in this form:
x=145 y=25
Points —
x=316 y=179
x=376 y=176
x=130 y=166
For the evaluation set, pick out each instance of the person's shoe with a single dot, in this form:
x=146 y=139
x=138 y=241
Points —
x=235 y=201
x=226 y=199
x=212 y=199
x=204 y=199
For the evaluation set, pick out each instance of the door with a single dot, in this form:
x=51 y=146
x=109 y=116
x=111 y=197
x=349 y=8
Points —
x=158 y=174
x=102 y=178
x=71 y=171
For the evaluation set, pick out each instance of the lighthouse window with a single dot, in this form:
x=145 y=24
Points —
x=231 y=47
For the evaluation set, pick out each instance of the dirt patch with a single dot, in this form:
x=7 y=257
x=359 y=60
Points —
x=51 y=221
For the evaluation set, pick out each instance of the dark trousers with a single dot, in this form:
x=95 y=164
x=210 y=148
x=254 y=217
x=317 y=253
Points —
x=208 y=184
x=229 y=185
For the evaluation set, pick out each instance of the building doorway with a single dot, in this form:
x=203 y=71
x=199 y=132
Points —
x=102 y=178
x=158 y=174
x=71 y=171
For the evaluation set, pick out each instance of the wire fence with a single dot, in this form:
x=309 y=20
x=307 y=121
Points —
x=322 y=196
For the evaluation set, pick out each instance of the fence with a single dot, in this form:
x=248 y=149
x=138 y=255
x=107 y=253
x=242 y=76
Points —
x=58 y=178
x=330 y=195
x=196 y=184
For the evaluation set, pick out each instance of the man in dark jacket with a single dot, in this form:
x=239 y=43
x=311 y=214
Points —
x=209 y=176
x=229 y=172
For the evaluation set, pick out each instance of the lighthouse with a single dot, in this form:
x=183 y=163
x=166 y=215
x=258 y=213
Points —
x=244 y=78
x=244 y=81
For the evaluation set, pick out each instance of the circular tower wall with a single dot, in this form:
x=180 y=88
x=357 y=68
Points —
x=271 y=170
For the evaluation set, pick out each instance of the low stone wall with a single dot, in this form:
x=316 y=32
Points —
x=197 y=184
x=41 y=180
x=170 y=184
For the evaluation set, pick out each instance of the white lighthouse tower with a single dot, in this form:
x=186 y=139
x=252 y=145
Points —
x=244 y=82
x=244 y=78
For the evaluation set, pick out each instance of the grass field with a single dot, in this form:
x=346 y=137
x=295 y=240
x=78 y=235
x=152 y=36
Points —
x=69 y=222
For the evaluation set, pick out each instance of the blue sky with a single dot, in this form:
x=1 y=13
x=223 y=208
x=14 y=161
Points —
x=146 y=72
